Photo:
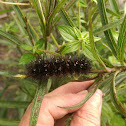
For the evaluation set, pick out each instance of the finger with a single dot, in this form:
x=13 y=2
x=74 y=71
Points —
x=49 y=110
x=62 y=121
x=89 y=114
x=26 y=117
x=72 y=87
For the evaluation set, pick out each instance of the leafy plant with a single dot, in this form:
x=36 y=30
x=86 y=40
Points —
x=88 y=27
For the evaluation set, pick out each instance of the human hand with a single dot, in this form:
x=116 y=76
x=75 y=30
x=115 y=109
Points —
x=68 y=95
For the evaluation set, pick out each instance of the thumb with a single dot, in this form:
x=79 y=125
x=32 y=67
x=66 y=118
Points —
x=89 y=114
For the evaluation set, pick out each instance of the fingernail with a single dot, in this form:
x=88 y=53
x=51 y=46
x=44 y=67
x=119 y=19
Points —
x=83 y=92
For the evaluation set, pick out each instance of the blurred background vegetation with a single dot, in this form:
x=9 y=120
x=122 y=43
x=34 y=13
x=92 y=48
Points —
x=95 y=28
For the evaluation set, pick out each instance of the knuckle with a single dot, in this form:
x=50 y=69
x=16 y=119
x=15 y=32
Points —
x=45 y=100
x=90 y=117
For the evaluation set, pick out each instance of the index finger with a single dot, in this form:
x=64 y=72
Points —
x=72 y=87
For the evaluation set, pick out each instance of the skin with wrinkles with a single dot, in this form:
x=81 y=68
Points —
x=67 y=95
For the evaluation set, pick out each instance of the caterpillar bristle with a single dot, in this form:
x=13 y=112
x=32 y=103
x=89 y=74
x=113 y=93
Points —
x=45 y=68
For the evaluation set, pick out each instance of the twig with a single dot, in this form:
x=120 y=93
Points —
x=55 y=42
x=27 y=29
x=49 y=52
x=21 y=4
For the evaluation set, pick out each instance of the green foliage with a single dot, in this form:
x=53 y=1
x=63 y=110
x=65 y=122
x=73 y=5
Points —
x=122 y=41
x=95 y=28
x=26 y=58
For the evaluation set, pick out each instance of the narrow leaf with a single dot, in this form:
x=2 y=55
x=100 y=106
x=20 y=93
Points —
x=107 y=62
x=122 y=42
x=40 y=92
x=91 y=91
x=6 y=122
x=37 y=8
x=22 y=23
x=113 y=13
x=67 y=7
x=108 y=34
x=67 y=18
x=119 y=106
x=10 y=38
x=108 y=26
x=92 y=44
x=13 y=104
x=83 y=4
x=114 y=6
x=55 y=11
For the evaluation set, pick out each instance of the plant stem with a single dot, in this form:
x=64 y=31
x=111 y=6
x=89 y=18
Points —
x=42 y=12
x=79 y=19
x=55 y=42
x=22 y=4
x=49 y=52
x=28 y=31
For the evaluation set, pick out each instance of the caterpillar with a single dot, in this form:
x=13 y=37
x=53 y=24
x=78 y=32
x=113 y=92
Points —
x=44 y=68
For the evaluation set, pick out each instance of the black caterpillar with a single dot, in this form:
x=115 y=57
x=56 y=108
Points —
x=43 y=68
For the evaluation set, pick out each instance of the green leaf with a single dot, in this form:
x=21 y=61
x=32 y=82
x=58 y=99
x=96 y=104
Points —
x=118 y=120
x=67 y=33
x=13 y=104
x=26 y=47
x=71 y=47
x=41 y=18
x=87 y=51
x=122 y=42
x=6 y=122
x=83 y=3
x=49 y=83
x=106 y=62
x=21 y=22
x=40 y=43
x=26 y=58
x=10 y=38
x=78 y=33
x=114 y=6
x=95 y=1
x=5 y=11
x=108 y=26
x=106 y=115
x=119 y=106
x=112 y=13
x=105 y=84
x=92 y=44
x=113 y=60
x=108 y=34
x=67 y=7
x=91 y=91
x=6 y=73
x=55 y=11
x=40 y=92
x=67 y=18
